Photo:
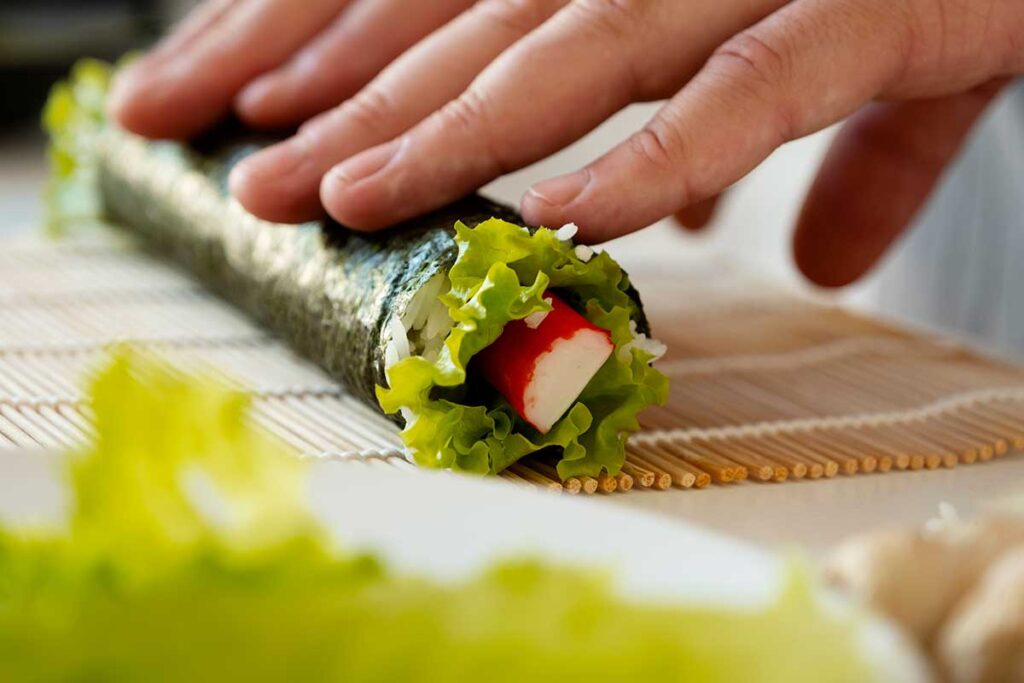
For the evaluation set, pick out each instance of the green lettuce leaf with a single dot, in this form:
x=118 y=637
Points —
x=500 y=275
x=156 y=578
x=75 y=108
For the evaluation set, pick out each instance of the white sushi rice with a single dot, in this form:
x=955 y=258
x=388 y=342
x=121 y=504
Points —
x=398 y=346
x=424 y=302
x=640 y=341
x=534 y=320
x=567 y=232
x=423 y=328
x=583 y=252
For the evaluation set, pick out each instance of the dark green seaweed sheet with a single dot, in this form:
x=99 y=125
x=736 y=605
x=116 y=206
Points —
x=326 y=290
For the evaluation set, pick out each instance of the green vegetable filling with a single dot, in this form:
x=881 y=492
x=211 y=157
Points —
x=500 y=275
x=74 y=110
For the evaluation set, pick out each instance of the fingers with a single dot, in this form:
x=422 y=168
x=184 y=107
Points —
x=696 y=216
x=542 y=93
x=363 y=40
x=196 y=23
x=555 y=85
x=808 y=65
x=189 y=84
x=283 y=182
x=876 y=176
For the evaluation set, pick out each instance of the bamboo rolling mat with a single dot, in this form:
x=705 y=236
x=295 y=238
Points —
x=766 y=386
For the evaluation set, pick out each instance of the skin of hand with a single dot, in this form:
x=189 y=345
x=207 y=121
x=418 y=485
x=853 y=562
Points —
x=403 y=106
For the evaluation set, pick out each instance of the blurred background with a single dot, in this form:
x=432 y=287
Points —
x=959 y=270
x=39 y=40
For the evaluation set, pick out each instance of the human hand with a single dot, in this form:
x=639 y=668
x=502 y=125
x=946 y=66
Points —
x=506 y=82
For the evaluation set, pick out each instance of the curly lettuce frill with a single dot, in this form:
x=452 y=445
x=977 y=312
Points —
x=500 y=275
x=74 y=111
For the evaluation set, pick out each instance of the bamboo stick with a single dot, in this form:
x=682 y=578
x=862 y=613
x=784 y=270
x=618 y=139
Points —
x=643 y=477
x=607 y=483
x=755 y=465
x=722 y=472
x=848 y=465
x=572 y=485
x=680 y=476
x=533 y=476
x=817 y=465
x=684 y=475
x=662 y=479
x=794 y=465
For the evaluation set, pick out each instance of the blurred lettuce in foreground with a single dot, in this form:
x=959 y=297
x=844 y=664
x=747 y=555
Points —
x=190 y=554
x=75 y=106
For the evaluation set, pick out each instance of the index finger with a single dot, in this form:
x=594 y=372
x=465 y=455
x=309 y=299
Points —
x=808 y=65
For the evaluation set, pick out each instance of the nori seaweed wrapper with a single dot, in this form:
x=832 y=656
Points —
x=328 y=291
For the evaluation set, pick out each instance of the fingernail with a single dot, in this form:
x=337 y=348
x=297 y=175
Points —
x=365 y=164
x=562 y=190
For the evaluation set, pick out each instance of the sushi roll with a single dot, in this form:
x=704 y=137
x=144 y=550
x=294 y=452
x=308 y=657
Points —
x=486 y=341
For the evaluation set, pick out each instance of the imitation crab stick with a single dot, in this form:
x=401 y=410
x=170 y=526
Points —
x=542 y=363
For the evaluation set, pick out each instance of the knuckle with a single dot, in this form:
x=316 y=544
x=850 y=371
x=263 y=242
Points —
x=519 y=17
x=761 y=70
x=468 y=112
x=914 y=39
x=654 y=145
x=624 y=23
x=926 y=40
x=952 y=36
x=470 y=116
x=369 y=109
x=660 y=146
x=984 y=33
x=750 y=58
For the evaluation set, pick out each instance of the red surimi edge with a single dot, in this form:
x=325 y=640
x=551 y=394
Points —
x=570 y=350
